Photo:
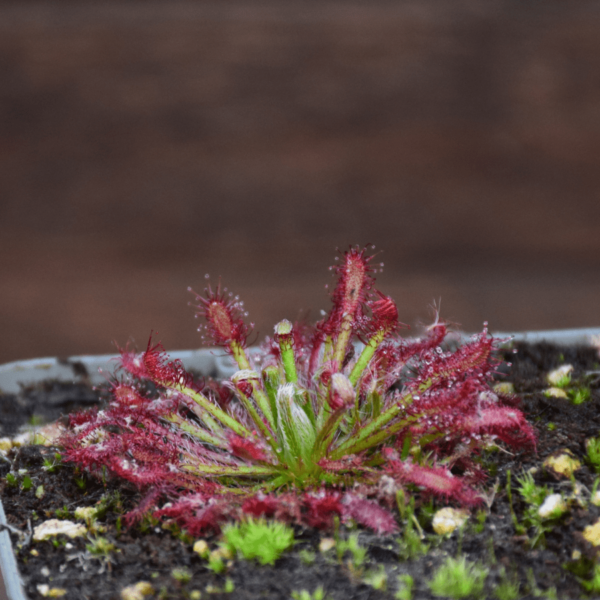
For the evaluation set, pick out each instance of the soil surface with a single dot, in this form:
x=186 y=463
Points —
x=552 y=565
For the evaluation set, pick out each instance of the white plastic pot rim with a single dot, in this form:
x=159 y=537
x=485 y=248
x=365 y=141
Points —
x=96 y=369
x=207 y=361
x=10 y=580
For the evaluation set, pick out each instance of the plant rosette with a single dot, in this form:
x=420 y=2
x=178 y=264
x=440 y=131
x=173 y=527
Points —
x=307 y=433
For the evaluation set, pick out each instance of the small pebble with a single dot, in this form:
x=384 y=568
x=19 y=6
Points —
x=85 y=513
x=54 y=527
x=137 y=591
x=563 y=463
x=48 y=592
x=555 y=392
x=592 y=533
x=560 y=376
x=326 y=544
x=201 y=548
x=446 y=520
x=553 y=506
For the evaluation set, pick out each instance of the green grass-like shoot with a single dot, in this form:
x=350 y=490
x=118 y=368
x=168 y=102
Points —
x=405 y=587
x=530 y=492
x=11 y=480
x=216 y=563
x=100 y=547
x=579 y=395
x=308 y=557
x=480 y=519
x=258 y=539
x=534 y=495
x=181 y=574
x=377 y=579
x=352 y=546
x=592 y=585
x=52 y=465
x=536 y=591
x=411 y=544
x=519 y=528
x=62 y=513
x=318 y=594
x=508 y=588
x=593 y=453
x=458 y=578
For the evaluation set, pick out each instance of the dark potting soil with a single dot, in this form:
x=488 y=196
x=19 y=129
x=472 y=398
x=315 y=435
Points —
x=43 y=403
x=489 y=538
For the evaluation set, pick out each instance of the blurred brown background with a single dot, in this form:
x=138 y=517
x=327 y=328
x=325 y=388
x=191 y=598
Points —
x=144 y=144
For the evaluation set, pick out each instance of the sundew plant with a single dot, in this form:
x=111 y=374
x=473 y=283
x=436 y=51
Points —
x=330 y=421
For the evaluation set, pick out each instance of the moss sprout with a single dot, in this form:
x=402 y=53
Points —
x=258 y=539
x=458 y=578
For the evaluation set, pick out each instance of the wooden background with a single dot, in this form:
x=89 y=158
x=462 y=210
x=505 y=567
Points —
x=144 y=144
